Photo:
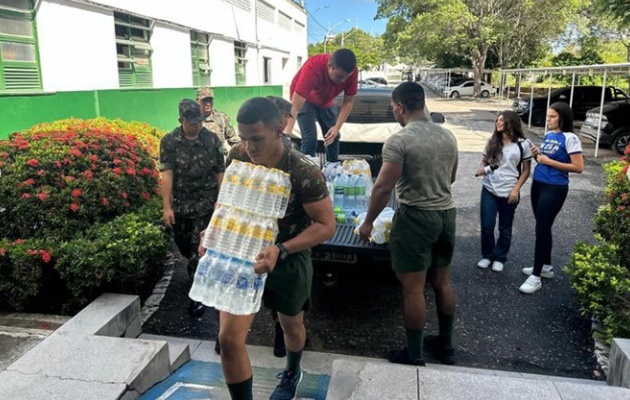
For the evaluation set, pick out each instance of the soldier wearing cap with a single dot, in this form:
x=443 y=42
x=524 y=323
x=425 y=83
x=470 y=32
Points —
x=216 y=121
x=192 y=165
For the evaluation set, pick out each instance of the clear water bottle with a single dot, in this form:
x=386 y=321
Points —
x=215 y=228
x=219 y=262
x=240 y=190
x=255 y=295
x=349 y=196
x=229 y=235
x=226 y=285
x=285 y=179
x=231 y=180
x=239 y=238
x=255 y=236
x=360 y=195
x=339 y=184
x=200 y=279
x=271 y=232
x=244 y=284
x=254 y=188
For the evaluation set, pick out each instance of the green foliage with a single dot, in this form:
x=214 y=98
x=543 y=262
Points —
x=367 y=48
x=620 y=9
x=80 y=213
x=602 y=286
x=21 y=268
x=122 y=255
x=601 y=273
x=60 y=178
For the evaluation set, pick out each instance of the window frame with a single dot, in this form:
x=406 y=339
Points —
x=33 y=66
x=240 y=62
x=201 y=70
x=133 y=74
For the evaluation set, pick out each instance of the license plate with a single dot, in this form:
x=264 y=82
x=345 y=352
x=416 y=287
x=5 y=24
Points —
x=331 y=256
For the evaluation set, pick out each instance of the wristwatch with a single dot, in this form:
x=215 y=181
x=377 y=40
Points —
x=283 y=251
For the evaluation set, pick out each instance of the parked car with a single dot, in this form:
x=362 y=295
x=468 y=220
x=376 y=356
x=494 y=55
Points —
x=615 y=125
x=467 y=87
x=378 y=79
x=584 y=99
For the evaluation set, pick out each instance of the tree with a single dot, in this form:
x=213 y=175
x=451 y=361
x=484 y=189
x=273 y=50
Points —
x=620 y=9
x=471 y=28
x=367 y=48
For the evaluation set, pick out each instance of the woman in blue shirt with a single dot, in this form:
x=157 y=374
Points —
x=559 y=154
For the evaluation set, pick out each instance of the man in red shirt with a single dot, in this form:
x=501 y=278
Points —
x=313 y=90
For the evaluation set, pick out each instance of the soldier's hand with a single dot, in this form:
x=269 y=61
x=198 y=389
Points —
x=266 y=259
x=169 y=217
x=201 y=250
x=365 y=231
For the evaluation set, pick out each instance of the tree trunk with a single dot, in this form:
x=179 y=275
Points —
x=478 y=59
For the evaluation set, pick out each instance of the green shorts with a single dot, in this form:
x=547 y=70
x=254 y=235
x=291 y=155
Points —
x=421 y=239
x=288 y=287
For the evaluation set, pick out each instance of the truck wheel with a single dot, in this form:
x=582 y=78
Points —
x=455 y=95
x=485 y=94
x=621 y=141
x=538 y=118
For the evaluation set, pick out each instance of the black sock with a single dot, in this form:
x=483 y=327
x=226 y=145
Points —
x=242 y=390
x=446 y=323
x=414 y=343
x=293 y=360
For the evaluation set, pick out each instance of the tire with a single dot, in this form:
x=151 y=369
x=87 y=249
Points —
x=485 y=94
x=455 y=95
x=621 y=141
x=538 y=118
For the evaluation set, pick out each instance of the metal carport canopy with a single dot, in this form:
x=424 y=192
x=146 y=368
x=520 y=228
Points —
x=600 y=69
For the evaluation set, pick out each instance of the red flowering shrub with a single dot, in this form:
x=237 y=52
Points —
x=84 y=195
x=60 y=183
x=22 y=263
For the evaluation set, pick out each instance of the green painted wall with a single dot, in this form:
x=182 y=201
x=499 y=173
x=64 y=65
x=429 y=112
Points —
x=157 y=107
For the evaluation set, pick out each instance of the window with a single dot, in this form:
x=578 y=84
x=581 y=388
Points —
x=265 y=11
x=242 y=4
x=199 y=43
x=299 y=28
x=284 y=21
x=299 y=62
x=240 y=62
x=19 y=59
x=267 y=70
x=134 y=51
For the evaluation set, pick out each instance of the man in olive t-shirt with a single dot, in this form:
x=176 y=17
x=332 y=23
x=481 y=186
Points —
x=421 y=161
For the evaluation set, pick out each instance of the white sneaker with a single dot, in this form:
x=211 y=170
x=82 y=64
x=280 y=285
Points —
x=531 y=285
x=484 y=263
x=497 y=266
x=547 y=271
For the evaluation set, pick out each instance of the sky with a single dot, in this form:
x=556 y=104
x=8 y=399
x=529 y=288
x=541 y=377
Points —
x=331 y=14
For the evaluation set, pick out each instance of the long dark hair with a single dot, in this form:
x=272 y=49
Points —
x=566 y=115
x=512 y=126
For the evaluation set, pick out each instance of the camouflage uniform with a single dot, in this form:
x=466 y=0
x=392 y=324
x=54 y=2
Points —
x=195 y=165
x=219 y=123
x=288 y=287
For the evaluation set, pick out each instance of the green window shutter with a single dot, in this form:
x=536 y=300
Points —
x=21 y=77
x=125 y=77
x=144 y=76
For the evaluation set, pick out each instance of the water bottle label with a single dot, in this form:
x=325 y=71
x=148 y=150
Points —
x=241 y=283
x=230 y=224
x=242 y=228
x=270 y=235
x=248 y=182
x=258 y=283
x=233 y=179
x=216 y=221
x=257 y=232
x=226 y=277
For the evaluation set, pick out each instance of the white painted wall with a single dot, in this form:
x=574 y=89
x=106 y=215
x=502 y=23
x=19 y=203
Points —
x=78 y=50
x=72 y=56
x=171 y=60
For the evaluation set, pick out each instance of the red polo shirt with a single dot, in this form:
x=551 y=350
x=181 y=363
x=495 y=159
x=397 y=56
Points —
x=313 y=83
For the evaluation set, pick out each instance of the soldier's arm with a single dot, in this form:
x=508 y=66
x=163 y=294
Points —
x=322 y=228
x=167 y=197
x=229 y=133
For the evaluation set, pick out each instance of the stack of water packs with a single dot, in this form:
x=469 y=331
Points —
x=251 y=200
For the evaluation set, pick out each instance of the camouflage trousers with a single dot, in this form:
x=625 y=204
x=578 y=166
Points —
x=186 y=235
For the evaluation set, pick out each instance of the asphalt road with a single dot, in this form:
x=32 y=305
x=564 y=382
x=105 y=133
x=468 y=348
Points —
x=497 y=327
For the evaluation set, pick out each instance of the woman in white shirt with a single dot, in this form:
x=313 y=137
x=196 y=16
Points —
x=505 y=167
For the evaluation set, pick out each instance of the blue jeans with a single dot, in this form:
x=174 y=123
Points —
x=492 y=205
x=327 y=118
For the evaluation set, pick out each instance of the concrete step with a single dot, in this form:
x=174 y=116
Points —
x=364 y=380
x=76 y=359
x=179 y=354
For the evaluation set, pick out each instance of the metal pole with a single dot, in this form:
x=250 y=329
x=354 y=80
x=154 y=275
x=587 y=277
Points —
x=601 y=110
x=572 y=87
x=531 y=102
x=520 y=80
x=548 y=99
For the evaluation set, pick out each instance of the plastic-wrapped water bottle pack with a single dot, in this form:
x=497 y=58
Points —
x=251 y=200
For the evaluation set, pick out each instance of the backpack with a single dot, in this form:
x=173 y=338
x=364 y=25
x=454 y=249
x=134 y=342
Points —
x=519 y=143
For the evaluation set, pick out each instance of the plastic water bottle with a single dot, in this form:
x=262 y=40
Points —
x=349 y=195
x=239 y=191
x=338 y=198
x=271 y=232
x=254 y=238
x=226 y=284
x=255 y=295
x=285 y=180
x=215 y=228
x=240 y=290
x=219 y=262
x=231 y=180
x=254 y=188
x=360 y=200
x=199 y=285
x=267 y=199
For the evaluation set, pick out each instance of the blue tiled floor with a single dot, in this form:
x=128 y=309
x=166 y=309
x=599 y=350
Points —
x=204 y=380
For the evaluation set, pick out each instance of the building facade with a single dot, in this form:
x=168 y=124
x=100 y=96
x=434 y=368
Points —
x=77 y=45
